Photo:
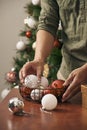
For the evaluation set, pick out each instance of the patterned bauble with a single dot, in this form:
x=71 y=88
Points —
x=49 y=102
x=20 y=45
x=31 y=81
x=28 y=34
x=36 y=94
x=11 y=76
x=15 y=105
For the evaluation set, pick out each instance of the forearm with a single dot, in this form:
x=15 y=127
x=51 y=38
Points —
x=44 y=45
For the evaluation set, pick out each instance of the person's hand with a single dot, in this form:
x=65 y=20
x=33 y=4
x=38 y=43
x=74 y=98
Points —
x=74 y=81
x=32 y=67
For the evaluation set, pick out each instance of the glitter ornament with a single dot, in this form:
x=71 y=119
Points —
x=20 y=45
x=36 y=94
x=49 y=102
x=15 y=105
x=31 y=81
x=46 y=70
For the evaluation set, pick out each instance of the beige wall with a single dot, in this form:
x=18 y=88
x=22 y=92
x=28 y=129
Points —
x=12 y=16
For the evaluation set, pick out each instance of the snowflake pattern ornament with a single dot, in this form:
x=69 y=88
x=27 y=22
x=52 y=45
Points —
x=31 y=81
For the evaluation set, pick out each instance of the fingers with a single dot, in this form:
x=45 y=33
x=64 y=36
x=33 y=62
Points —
x=69 y=80
x=23 y=72
x=71 y=94
x=71 y=89
x=32 y=67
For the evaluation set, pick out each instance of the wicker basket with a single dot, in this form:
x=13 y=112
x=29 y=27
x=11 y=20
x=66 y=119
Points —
x=26 y=92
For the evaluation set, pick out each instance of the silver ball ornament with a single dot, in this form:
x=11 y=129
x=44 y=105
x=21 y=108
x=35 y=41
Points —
x=15 y=105
x=36 y=94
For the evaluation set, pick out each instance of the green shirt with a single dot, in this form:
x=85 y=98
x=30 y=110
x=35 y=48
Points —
x=73 y=15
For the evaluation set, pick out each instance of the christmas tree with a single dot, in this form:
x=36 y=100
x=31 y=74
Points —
x=25 y=50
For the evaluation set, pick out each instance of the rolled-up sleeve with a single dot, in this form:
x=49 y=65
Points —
x=49 y=16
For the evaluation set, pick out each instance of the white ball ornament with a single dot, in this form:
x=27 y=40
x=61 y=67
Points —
x=34 y=45
x=4 y=93
x=26 y=20
x=44 y=82
x=35 y=2
x=36 y=94
x=20 y=45
x=31 y=81
x=49 y=102
x=32 y=23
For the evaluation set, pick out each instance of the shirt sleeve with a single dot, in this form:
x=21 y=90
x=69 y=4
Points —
x=49 y=16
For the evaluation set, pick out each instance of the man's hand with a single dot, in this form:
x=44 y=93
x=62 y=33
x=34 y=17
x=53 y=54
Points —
x=74 y=81
x=33 y=67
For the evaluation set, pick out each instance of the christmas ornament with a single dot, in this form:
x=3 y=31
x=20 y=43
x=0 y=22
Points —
x=31 y=81
x=11 y=77
x=36 y=2
x=4 y=93
x=49 y=102
x=50 y=90
x=24 y=91
x=26 y=20
x=34 y=45
x=57 y=43
x=46 y=70
x=36 y=94
x=57 y=83
x=15 y=105
x=31 y=22
x=20 y=45
x=59 y=34
x=44 y=82
x=58 y=86
x=28 y=34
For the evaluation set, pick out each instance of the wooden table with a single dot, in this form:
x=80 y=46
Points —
x=67 y=116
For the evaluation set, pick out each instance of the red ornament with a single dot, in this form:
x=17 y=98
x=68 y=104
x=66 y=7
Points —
x=57 y=43
x=28 y=34
x=50 y=90
x=25 y=91
x=11 y=76
x=57 y=83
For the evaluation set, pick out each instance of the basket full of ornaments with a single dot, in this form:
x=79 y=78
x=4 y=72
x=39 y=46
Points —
x=33 y=90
